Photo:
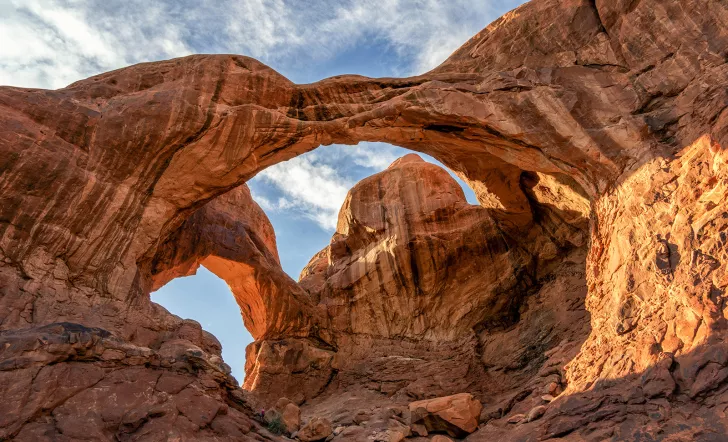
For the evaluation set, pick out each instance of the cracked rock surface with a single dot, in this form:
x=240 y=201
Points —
x=583 y=299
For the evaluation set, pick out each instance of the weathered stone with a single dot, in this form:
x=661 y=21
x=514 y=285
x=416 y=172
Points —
x=271 y=416
x=91 y=396
x=516 y=418
x=291 y=416
x=362 y=416
x=408 y=232
x=316 y=429
x=457 y=415
x=593 y=133
x=535 y=413
x=419 y=430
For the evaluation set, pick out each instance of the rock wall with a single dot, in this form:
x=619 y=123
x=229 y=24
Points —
x=592 y=132
x=655 y=359
x=67 y=382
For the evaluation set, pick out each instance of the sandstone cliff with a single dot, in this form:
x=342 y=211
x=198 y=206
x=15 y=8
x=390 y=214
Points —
x=594 y=135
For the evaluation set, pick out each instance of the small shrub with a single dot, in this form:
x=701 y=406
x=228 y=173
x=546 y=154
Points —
x=276 y=426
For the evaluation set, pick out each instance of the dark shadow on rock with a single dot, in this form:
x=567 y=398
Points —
x=678 y=398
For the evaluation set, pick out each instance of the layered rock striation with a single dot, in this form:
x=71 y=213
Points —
x=593 y=133
x=412 y=259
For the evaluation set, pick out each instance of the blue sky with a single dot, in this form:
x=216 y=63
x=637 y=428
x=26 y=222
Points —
x=52 y=43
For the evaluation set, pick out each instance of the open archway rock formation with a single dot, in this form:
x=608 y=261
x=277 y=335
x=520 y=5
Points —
x=593 y=132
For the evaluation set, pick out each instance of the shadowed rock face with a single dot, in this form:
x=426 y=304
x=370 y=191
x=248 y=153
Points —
x=65 y=381
x=593 y=133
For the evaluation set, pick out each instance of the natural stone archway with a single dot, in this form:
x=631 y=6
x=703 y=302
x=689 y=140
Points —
x=420 y=289
x=232 y=237
x=558 y=102
x=240 y=116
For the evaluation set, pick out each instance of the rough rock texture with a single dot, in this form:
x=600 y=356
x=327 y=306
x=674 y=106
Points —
x=457 y=415
x=232 y=237
x=593 y=132
x=422 y=291
x=68 y=382
x=288 y=413
x=315 y=430
x=412 y=259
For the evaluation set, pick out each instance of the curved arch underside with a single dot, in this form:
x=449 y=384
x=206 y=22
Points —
x=559 y=111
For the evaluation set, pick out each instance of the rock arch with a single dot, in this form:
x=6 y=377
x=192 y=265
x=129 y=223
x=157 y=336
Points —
x=232 y=237
x=592 y=99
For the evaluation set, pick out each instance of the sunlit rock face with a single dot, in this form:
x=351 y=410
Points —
x=233 y=238
x=593 y=133
x=411 y=258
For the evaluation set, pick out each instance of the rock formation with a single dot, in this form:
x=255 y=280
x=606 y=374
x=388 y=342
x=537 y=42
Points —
x=402 y=340
x=593 y=133
x=457 y=414
x=64 y=381
x=412 y=259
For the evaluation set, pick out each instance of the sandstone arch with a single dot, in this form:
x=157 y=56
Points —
x=593 y=98
x=232 y=237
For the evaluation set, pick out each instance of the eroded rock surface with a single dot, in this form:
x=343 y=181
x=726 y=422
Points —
x=593 y=133
x=232 y=237
x=315 y=430
x=65 y=381
x=412 y=259
x=458 y=415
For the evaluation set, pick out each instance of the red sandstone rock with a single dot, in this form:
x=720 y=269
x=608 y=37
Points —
x=593 y=133
x=232 y=237
x=457 y=415
x=291 y=416
x=315 y=430
x=411 y=258
x=96 y=386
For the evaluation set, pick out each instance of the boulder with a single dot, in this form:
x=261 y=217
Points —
x=290 y=414
x=536 y=413
x=457 y=414
x=516 y=418
x=418 y=430
x=317 y=429
x=271 y=416
x=362 y=416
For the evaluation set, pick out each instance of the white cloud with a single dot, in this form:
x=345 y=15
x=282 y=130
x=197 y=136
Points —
x=258 y=26
x=311 y=188
x=314 y=185
x=279 y=204
x=429 y=29
x=50 y=43
x=373 y=156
